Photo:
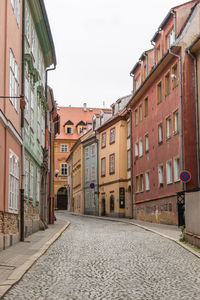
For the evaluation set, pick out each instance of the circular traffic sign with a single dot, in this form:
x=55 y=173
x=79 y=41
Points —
x=92 y=185
x=185 y=176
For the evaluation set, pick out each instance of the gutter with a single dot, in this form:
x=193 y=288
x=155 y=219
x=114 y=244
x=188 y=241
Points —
x=131 y=139
x=196 y=112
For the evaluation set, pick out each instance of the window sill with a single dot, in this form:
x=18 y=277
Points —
x=111 y=173
x=168 y=138
x=161 y=185
x=103 y=175
x=112 y=142
x=169 y=183
x=176 y=132
x=146 y=151
x=13 y=211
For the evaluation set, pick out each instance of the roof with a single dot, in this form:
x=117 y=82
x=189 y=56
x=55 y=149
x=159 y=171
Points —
x=81 y=123
x=69 y=123
x=75 y=115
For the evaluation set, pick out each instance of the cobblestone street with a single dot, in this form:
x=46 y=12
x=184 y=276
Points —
x=97 y=259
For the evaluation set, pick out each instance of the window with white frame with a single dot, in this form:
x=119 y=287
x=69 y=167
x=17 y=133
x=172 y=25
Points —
x=141 y=183
x=140 y=148
x=32 y=109
x=112 y=164
x=18 y=11
x=136 y=149
x=38 y=119
x=68 y=130
x=27 y=95
x=13 y=4
x=86 y=152
x=160 y=175
x=13 y=181
x=14 y=81
x=170 y=38
x=169 y=172
x=103 y=142
x=147 y=183
x=103 y=166
x=63 y=169
x=140 y=113
x=168 y=127
x=31 y=179
x=177 y=169
x=175 y=117
x=26 y=182
x=137 y=82
x=146 y=142
x=160 y=133
x=87 y=174
x=64 y=147
x=128 y=129
x=38 y=185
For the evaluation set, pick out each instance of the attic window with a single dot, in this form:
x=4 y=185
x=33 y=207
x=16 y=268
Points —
x=69 y=130
x=170 y=38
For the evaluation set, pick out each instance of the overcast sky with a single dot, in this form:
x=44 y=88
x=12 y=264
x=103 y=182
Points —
x=97 y=43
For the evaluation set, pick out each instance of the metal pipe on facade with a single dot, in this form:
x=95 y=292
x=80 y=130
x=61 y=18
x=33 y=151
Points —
x=97 y=170
x=131 y=144
x=22 y=128
x=196 y=112
x=181 y=109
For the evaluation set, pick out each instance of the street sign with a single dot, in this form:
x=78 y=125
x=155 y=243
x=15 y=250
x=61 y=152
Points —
x=185 y=176
x=92 y=185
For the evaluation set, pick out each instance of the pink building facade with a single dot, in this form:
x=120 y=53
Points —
x=10 y=118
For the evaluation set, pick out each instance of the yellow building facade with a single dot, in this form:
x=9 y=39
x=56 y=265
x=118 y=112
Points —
x=113 y=168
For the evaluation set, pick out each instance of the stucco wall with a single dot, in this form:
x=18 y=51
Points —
x=192 y=212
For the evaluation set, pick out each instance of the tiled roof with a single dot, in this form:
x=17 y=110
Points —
x=75 y=115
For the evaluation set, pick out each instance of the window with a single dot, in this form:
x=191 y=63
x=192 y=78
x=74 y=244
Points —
x=160 y=176
x=38 y=185
x=32 y=110
x=103 y=166
x=87 y=152
x=136 y=117
x=170 y=38
x=159 y=92
x=27 y=95
x=38 y=120
x=93 y=173
x=174 y=76
x=42 y=129
x=103 y=141
x=169 y=172
x=112 y=203
x=168 y=127
x=145 y=71
x=141 y=183
x=140 y=113
x=87 y=174
x=128 y=129
x=16 y=8
x=112 y=135
x=177 y=169
x=137 y=82
x=63 y=169
x=140 y=148
x=160 y=133
x=13 y=181
x=112 y=164
x=146 y=107
x=64 y=147
x=136 y=149
x=93 y=150
x=175 y=121
x=129 y=159
x=158 y=56
x=31 y=179
x=146 y=142
x=137 y=184
x=167 y=84
x=26 y=182
x=147 y=184
x=13 y=4
x=68 y=130
x=14 y=81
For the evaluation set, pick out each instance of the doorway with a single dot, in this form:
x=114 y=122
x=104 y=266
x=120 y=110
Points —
x=62 y=199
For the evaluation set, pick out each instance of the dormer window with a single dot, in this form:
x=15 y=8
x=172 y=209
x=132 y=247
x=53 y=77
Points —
x=68 y=130
x=68 y=127
x=170 y=38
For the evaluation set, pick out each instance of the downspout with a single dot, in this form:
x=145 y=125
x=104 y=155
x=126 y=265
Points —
x=131 y=139
x=97 y=171
x=154 y=53
x=22 y=127
x=196 y=113
x=181 y=110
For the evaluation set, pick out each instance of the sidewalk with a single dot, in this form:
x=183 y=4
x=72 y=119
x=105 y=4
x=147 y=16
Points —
x=16 y=260
x=170 y=232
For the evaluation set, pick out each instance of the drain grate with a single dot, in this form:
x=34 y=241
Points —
x=5 y=267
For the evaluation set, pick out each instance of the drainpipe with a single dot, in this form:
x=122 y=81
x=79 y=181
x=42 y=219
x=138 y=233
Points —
x=97 y=171
x=154 y=53
x=181 y=110
x=22 y=127
x=131 y=139
x=196 y=113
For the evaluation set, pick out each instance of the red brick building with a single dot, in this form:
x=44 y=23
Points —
x=164 y=123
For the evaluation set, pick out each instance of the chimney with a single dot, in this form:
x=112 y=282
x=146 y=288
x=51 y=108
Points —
x=85 y=106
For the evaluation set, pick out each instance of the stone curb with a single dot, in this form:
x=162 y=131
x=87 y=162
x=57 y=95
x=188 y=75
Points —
x=145 y=228
x=19 y=272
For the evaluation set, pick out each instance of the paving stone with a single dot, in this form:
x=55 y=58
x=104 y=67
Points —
x=100 y=260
